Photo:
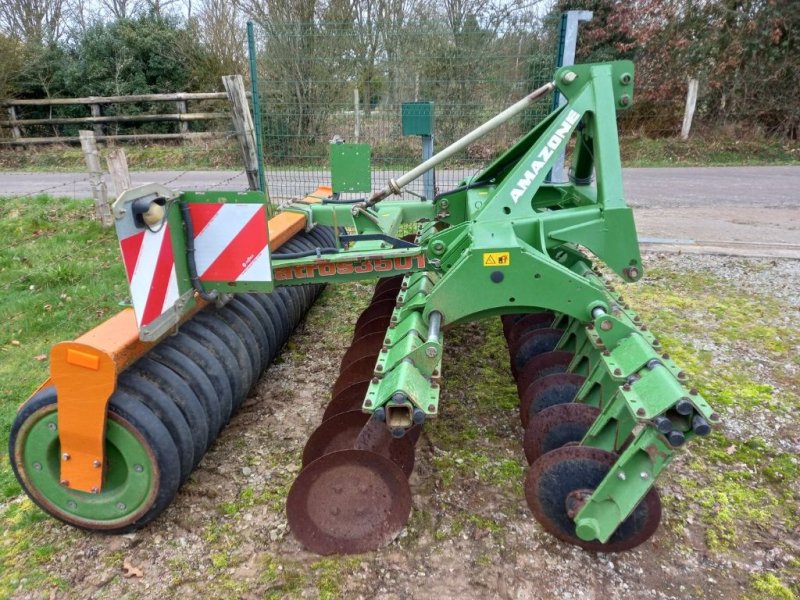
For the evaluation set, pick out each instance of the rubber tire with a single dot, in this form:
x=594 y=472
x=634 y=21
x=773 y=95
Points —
x=196 y=378
x=136 y=386
x=242 y=369
x=197 y=354
x=184 y=398
x=141 y=419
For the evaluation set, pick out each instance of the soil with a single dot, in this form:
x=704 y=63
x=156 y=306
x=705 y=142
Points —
x=471 y=534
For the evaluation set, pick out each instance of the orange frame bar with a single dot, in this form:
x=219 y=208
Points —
x=84 y=373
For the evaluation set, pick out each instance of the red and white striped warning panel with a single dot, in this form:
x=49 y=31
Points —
x=150 y=266
x=231 y=242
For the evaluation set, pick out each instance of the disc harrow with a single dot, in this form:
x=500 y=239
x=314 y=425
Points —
x=218 y=283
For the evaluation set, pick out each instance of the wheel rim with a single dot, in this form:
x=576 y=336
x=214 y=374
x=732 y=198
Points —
x=556 y=476
x=130 y=482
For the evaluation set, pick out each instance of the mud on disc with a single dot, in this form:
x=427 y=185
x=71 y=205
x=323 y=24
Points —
x=348 y=502
x=341 y=431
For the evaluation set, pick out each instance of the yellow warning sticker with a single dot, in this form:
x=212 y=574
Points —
x=496 y=259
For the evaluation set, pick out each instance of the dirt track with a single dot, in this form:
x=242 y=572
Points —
x=471 y=534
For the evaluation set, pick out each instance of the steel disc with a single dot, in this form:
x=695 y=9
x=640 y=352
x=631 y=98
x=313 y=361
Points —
x=368 y=345
x=557 y=426
x=557 y=476
x=530 y=322
x=509 y=320
x=542 y=365
x=550 y=390
x=356 y=371
x=341 y=431
x=386 y=294
x=348 y=502
x=531 y=344
x=388 y=283
x=374 y=325
x=377 y=309
x=350 y=398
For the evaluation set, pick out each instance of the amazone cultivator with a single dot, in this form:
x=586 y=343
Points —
x=218 y=283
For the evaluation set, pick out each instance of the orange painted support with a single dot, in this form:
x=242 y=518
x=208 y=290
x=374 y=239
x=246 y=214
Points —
x=84 y=373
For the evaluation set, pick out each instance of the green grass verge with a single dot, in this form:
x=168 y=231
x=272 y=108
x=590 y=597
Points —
x=60 y=275
x=225 y=155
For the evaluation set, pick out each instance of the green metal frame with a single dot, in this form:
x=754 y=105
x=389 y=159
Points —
x=504 y=242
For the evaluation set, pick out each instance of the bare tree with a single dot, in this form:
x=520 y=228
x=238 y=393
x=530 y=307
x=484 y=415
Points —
x=160 y=8
x=222 y=32
x=32 y=20
x=120 y=9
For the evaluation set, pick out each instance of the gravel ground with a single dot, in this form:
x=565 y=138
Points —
x=471 y=534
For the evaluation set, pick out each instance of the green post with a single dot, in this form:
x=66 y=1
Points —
x=251 y=50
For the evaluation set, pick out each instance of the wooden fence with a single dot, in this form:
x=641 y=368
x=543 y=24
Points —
x=98 y=120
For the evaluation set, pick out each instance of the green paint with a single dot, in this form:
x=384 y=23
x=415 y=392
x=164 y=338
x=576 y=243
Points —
x=128 y=485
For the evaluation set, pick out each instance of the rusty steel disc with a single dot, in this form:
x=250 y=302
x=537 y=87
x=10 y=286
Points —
x=530 y=322
x=374 y=325
x=341 y=432
x=368 y=345
x=350 y=398
x=378 y=309
x=509 y=320
x=356 y=371
x=560 y=480
x=388 y=283
x=533 y=343
x=386 y=294
x=541 y=365
x=557 y=426
x=348 y=502
x=550 y=390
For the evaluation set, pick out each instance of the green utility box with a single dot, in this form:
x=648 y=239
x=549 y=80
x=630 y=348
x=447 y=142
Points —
x=417 y=118
x=350 y=168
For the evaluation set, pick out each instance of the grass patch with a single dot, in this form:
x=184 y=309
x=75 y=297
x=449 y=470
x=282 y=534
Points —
x=735 y=345
x=60 y=275
x=706 y=151
x=637 y=151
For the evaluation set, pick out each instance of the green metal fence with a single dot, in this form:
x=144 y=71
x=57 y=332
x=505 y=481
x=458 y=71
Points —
x=319 y=81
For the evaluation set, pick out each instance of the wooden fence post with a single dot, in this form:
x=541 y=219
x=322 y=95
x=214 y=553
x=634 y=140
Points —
x=118 y=169
x=243 y=123
x=97 y=111
x=181 y=107
x=98 y=184
x=688 y=113
x=16 y=132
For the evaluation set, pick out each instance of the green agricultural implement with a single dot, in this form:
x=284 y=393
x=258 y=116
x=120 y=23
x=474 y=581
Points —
x=218 y=282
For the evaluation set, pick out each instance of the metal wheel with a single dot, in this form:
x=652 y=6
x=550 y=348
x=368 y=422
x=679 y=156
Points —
x=348 y=502
x=142 y=470
x=550 y=390
x=557 y=426
x=530 y=322
x=542 y=365
x=368 y=345
x=558 y=481
x=356 y=371
x=376 y=324
x=350 y=398
x=341 y=432
x=531 y=344
x=376 y=309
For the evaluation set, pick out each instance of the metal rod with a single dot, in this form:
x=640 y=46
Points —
x=251 y=51
x=395 y=185
x=434 y=325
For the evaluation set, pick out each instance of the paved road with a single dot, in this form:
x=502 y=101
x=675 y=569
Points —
x=698 y=208
x=666 y=187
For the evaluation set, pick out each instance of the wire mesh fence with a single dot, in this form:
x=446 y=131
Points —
x=322 y=81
